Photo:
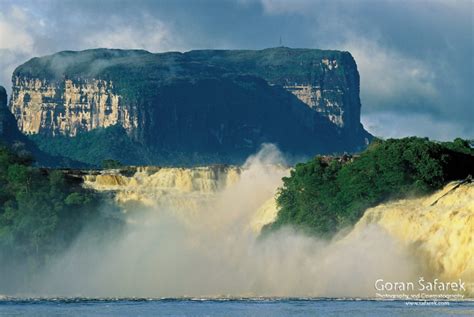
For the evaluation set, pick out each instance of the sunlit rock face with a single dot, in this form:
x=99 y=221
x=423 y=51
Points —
x=327 y=102
x=331 y=101
x=205 y=107
x=11 y=135
x=67 y=107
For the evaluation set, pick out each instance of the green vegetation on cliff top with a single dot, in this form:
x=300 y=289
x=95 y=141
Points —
x=274 y=64
x=327 y=194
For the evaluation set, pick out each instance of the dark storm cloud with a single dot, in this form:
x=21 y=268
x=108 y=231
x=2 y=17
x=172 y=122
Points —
x=415 y=57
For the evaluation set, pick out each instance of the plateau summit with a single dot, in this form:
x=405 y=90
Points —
x=198 y=107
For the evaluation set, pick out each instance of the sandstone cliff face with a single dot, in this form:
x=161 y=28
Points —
x=329 y=106
x=207 y=106
x=11 y=136
x=67 y=107
x=339 y=103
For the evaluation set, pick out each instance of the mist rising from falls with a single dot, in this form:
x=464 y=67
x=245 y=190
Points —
x=194 y=232
x=199 y=194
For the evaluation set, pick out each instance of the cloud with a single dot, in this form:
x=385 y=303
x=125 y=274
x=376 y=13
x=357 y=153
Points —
x=150 y=34
x=414 y=57
x=15 y=30
x=390 y=124
x=388 y=75
x=282 y=6
x=17 y=39
x=33 y=30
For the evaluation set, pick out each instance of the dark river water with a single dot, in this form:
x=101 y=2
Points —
x=229 y=307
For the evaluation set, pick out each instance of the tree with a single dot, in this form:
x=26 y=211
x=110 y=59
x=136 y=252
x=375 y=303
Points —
x=324 y=195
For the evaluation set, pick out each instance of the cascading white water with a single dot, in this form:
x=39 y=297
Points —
x=194 y=232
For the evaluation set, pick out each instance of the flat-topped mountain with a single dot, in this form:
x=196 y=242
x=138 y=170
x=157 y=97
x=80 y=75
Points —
x=209 y=106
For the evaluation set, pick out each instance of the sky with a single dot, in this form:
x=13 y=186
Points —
x=415 y=57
